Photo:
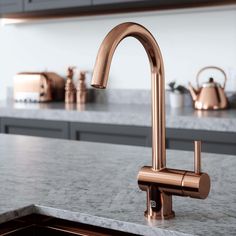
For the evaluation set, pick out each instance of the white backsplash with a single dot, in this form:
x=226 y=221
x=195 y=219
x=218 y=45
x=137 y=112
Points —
x=189 y=39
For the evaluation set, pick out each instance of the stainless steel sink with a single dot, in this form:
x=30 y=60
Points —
x=35 y=225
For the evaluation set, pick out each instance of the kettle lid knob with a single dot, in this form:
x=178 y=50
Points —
x=211 y=80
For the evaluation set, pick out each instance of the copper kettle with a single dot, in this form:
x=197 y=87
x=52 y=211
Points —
x=211 y=95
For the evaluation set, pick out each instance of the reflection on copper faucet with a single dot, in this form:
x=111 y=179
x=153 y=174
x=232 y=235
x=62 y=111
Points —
x=159 y=182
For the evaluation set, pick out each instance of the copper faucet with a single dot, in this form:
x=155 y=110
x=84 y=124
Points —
x=157 y=180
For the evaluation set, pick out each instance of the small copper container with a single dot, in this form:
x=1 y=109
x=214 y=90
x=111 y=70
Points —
x=81 y=90
x=69 y=87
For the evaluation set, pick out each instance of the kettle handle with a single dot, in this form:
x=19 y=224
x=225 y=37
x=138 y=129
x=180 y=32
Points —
x=211 y=67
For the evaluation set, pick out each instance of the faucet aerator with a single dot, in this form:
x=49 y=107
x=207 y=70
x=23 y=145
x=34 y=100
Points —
x=98 y=86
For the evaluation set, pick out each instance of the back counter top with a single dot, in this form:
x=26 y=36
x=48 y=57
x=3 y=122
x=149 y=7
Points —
x=122 y=114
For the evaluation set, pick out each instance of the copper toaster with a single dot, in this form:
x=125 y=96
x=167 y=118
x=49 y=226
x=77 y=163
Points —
x=38 y=87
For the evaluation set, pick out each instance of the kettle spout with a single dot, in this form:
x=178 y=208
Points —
x=192 y=91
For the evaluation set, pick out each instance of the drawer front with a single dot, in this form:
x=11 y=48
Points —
x=98 y=2
x=116 y=134
x=212 y=141
x=37 y=5
x=40 y=128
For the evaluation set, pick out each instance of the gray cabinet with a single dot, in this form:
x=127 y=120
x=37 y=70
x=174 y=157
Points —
x=212 y=141
x=160 y=4
x=117 y=134
x=54 y=8
x=40 y=128
x=180 y=139
x=37 y=5
x=11 y=6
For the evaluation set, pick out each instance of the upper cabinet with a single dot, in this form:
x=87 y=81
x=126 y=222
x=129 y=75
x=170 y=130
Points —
x=54 y=8
x=38 y=5
x=160 y=4
x=11 y=6
x=97 y=2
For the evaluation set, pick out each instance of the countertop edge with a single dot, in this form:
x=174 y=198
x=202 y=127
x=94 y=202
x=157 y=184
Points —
x=84 y=218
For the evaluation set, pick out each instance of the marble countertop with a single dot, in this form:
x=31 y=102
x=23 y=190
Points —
x=122 y=114
x=96 y=184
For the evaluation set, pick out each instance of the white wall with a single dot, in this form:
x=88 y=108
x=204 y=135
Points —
x=189 y=40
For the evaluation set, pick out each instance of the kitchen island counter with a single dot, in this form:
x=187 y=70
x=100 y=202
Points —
x=96 y=184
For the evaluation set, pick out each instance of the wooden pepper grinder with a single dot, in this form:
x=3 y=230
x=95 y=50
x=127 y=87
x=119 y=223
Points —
x=70 y=87
x=81 y=93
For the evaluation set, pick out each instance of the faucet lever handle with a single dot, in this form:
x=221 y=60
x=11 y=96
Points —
x=197 y=157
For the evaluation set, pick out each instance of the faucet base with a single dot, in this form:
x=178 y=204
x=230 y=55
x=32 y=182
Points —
x=159 y=204
x=159 y=216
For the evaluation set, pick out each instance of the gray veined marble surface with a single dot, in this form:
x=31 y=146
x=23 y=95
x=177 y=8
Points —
x=96 y=184
x=122 y=114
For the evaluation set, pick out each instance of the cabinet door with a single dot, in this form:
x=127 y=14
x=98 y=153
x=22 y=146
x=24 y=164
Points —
x=116 y=134
x=11 y=6
x=39 y=128
x=37 y=5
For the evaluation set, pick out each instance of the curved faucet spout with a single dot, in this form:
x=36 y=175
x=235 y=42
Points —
x=101 y=74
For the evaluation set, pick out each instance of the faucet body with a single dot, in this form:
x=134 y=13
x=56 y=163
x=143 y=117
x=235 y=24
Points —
x=159 y=182
x=101 y=74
